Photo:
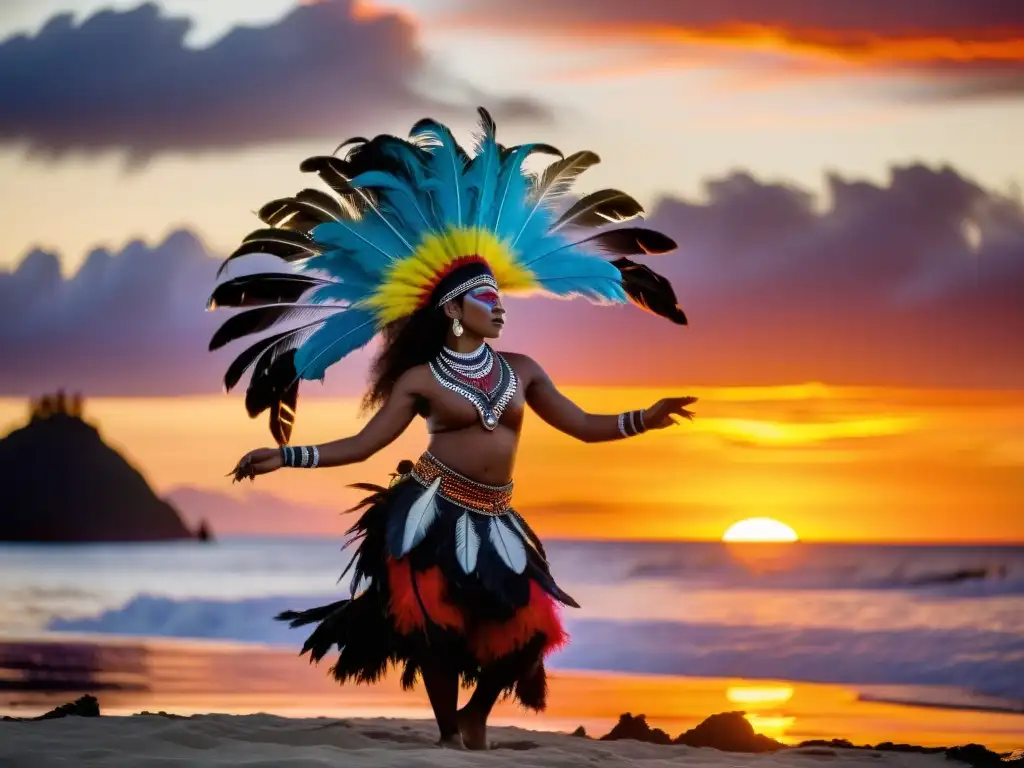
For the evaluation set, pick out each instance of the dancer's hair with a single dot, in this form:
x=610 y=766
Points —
x=406 y=343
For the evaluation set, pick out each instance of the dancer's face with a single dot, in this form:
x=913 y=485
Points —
x=482 y=312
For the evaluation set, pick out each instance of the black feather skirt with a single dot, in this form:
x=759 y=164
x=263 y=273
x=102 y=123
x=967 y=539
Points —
x=446 y=571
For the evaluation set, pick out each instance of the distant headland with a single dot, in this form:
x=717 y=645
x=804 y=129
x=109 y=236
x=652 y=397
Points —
x=61 y=483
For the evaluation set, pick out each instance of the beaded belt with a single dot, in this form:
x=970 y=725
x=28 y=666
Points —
x=459 y=489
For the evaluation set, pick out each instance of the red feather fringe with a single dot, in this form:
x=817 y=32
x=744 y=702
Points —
x=489 y=641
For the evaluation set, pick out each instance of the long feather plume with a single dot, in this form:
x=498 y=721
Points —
x=512 y=184
x=283 y=243
x=556 y=180
x=628 y=241
x=467 y=543
x=649 y=290
x=606 y=206
x=508 y=546
x=420 y=517
x=262 y=288
x=261 y=318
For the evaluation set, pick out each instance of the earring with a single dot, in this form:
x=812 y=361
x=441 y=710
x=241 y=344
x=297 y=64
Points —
x=456 y=327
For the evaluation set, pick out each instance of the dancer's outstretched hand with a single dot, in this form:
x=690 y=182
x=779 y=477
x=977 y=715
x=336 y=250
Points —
x=258 y=462
x=659 y=415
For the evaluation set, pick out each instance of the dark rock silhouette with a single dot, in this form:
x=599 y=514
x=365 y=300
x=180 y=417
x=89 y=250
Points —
x=636 y=728
x=974 y=755
x=729 y=732
x=86 y=706
x=59 y=482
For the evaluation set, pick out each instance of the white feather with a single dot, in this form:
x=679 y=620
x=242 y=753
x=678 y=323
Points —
x=508 y=546
x=511 y=517
x=421 y=516
x=467 y=543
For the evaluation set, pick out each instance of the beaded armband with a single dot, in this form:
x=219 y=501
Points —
x=304 y=456
x=631 y=423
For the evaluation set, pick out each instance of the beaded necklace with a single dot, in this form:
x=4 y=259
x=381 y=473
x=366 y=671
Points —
x=482 y=377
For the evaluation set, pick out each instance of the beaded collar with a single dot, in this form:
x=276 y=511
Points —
x=482 y=377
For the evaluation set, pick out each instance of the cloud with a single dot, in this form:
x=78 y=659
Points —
x=885 y=285
x=953 y=50
x=879 y=286
x=127 y=81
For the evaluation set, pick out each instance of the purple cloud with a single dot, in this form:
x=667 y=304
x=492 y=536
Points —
x=127 y=81
x=885 y=286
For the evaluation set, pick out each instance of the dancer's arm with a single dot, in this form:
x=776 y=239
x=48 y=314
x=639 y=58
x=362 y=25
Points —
x=565 y=416
x=380 y=431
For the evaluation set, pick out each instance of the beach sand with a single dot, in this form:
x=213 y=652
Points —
x=257 y=741
x=314 y=721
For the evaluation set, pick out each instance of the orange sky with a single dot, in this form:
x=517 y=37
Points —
x=834 y=463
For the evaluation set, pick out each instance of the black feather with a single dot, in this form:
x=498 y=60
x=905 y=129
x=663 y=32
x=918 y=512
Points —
x=559 y=176
x=535 y=149
x=409 y=674
x=353 y=140
x=631 y=241
x=243 y=362
x=293 y=215
x=324 y=202
x=259 y=319
x=282 y=414
x=271 y=382
x=333 y=171
x=599 y=208
x=283 y=243
x=263 y=288
x=649 y=290
x=300 y=618
x=487 y=124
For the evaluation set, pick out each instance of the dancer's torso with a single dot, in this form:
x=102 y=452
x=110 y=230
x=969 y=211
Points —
x=459 y=440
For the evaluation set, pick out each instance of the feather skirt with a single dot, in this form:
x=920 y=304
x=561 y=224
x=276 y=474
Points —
x=440 y=579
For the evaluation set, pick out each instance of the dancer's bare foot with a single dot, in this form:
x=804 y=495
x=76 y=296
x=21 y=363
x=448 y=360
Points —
x=473 y=727
x=451 y=742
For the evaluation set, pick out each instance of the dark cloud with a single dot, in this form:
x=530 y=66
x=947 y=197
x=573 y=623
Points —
x=127 y=81
x=880 y=287
x=956 y=50
x=883 y=286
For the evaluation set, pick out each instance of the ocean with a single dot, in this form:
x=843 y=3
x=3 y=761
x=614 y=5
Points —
x=943 y=624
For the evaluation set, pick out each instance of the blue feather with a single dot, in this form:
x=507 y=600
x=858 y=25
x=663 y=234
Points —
x=447 y=165
x=513 y=189
x=581 y=275
x=482 y=174
x=340 y=335
x=375 y=243
x=399 y=198
x=343 y=290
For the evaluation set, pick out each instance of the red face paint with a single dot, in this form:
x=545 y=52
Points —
x=486 y=296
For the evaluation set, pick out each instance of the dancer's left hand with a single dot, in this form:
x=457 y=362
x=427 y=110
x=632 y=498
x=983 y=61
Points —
x=660 y=415
x=258 y=462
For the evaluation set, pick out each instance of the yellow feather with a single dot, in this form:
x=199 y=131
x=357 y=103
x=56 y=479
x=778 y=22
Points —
x=407 y=279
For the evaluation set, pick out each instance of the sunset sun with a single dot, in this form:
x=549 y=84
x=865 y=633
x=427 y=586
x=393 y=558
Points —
x=760 y=529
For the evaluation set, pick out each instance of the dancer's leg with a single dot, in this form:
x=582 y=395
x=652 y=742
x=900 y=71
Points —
x=492 y=682
x=443 y=691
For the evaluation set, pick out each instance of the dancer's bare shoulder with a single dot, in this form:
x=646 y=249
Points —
x=527 y=369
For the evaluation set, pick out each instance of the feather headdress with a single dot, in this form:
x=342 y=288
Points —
x=418 y=222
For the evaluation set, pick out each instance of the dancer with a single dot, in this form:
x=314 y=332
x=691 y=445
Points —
x=448 y=581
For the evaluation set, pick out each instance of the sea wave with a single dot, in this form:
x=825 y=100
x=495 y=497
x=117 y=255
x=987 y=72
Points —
x=984 y=661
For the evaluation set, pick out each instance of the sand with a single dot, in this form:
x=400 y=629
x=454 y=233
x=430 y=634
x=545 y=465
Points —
x=258 y=741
